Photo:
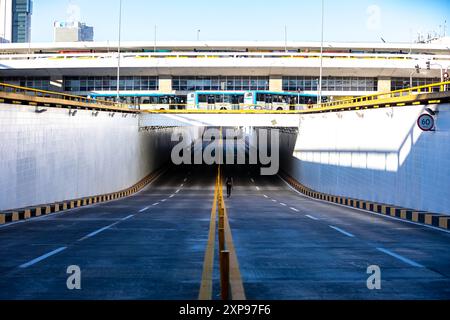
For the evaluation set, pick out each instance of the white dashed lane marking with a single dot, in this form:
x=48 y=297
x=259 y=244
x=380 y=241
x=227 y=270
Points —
x=294 y=209
x=348 y=234
x=43 y=257
x=401 y=258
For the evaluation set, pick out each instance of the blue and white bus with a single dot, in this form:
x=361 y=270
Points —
x=216 y=100
x=269 y=100
x=145 y=101
x=241 y=100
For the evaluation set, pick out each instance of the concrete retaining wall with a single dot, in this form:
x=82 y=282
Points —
x=378 y=155
x=52 y=156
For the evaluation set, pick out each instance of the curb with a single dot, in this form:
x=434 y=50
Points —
x=432 y=219
x=44 y=209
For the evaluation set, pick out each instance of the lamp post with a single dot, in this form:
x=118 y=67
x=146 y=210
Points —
x=154 y=38
x=417 y=70
x=118 y=51
x=321 y=59
x=198 y=35
x=285 y=39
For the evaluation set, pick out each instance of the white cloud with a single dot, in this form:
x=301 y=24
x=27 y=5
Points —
x=374 y=17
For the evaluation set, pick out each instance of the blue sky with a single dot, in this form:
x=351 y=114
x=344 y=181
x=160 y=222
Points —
x=345 y=20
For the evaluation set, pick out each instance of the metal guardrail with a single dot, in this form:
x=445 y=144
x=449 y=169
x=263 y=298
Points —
x=8 y=88
x=221 y=55
x=392 y=98
x=383 y=96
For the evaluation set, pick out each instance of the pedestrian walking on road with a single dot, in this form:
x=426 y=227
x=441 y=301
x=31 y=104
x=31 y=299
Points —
x=229 y=183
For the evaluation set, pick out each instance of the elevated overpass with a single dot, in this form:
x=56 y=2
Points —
x=360 y=184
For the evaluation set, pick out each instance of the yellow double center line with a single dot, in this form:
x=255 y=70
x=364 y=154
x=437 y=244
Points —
x=208 y=262
x=236 y=285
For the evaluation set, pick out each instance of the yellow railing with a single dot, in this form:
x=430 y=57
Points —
x=364 y=101
x=429 y=88
x=9 y=88
x=231 y=285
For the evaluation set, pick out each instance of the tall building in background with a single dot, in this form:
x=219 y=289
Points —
x=15 y=20
x=6 y=21
x=73 y=31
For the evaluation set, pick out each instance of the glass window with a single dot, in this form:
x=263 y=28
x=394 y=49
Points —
x=305 y=83
x=107 y=83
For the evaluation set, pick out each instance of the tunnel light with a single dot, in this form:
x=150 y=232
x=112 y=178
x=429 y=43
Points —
x=37 y=110
x=431 y=111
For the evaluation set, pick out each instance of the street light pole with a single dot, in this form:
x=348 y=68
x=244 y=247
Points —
x=198 y=35
x=154 y=44
x=285 y=39
x=321 y=59
x=118 y=51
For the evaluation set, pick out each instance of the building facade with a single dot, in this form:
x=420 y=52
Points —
x=15 y=21
x=180 y=68
x=73 y=32
x=6 y=16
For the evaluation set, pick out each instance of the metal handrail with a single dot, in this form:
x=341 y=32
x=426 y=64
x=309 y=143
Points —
x=262 y=55
x=440 y=86
x=4 y=87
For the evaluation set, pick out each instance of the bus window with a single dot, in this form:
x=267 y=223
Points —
x=260 y=97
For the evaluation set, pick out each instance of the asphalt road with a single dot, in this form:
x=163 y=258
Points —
x=151 y=246
x=292 y=247
x=148 y=246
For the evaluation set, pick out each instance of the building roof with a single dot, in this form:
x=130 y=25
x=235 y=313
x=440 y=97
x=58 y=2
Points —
x=432 y=48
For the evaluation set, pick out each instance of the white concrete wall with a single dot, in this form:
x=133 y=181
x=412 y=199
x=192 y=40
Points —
x=52 y=156
x=377 y=155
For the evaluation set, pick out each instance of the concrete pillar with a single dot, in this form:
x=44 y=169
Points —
x=56 y=84
x=276 y=83
x=165 y=84
x=384 y=84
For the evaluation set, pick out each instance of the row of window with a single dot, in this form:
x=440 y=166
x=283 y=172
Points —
x=236 y=83
x=403 y=83
x=225 y=83
x=330 y=84
x=134 y=83
x=40 y=83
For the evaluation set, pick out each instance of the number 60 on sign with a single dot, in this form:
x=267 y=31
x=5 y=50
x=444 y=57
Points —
x=426 y=122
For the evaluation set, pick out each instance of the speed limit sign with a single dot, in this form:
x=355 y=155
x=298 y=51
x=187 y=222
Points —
x=426 y=122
